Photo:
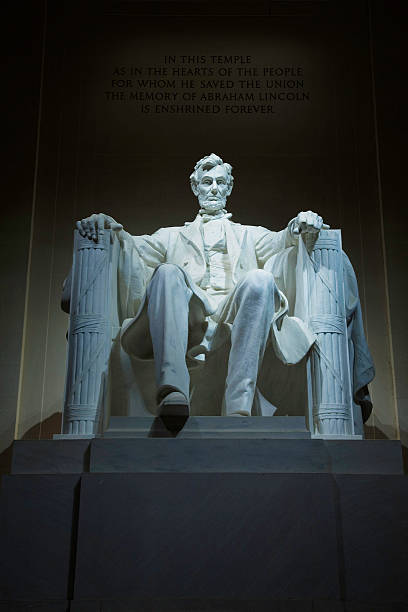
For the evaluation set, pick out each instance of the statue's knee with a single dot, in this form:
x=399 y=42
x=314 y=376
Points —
x=260 y=281
x=168 y=271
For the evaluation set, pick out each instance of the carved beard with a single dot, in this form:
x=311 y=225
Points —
x=212 y=205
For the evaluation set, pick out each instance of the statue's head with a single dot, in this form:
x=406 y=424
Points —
x=212 y=183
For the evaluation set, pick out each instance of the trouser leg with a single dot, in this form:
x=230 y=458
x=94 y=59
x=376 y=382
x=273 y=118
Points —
x=168 y=310
x=255 y=302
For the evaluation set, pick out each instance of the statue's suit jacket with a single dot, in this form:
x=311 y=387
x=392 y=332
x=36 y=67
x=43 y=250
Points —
x=248 y=247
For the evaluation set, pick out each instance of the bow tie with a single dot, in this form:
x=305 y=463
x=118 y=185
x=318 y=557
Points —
x=221 y=214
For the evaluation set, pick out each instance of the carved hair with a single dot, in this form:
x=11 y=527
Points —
x=208 y=162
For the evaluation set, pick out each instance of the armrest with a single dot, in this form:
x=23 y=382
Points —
x=90 y=333
x=320 y=303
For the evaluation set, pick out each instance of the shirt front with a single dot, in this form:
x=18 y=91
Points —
x=217 y=280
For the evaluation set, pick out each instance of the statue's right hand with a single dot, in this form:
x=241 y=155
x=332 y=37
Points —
x=93 y=226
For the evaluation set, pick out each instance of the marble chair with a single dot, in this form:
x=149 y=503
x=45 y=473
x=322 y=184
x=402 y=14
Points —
x=100 y=374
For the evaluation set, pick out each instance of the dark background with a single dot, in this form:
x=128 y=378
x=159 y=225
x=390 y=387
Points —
x=68 y=152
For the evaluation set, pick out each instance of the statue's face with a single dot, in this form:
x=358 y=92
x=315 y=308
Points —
x=213 y=189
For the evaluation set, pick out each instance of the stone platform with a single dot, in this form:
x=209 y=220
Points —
x=217 y=523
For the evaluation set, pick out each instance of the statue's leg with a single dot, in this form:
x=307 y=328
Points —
x=168 y=311
x=255 y=300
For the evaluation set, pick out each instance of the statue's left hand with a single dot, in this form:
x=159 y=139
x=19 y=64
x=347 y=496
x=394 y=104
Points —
x=308 y=222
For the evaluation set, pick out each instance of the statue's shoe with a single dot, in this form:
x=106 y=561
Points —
x=174 y=404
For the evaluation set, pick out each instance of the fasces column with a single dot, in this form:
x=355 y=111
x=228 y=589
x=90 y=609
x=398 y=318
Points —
x=89 y=339
x=323 y=289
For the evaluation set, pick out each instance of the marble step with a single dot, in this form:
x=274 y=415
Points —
x=207 y=427
x=207 y=455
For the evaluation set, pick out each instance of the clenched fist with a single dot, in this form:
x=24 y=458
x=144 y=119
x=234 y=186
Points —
x=308 y=222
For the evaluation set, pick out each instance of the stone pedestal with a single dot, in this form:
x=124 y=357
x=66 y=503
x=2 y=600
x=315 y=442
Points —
x=204 y=524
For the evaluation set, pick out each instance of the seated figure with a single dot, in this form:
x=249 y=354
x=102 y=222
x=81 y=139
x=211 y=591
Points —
x=187 y=292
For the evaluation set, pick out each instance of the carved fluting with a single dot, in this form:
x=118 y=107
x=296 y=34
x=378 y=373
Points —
x=331 y=389
x=89 y=334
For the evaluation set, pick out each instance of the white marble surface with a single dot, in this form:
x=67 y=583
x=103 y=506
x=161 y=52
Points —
x=215 y=256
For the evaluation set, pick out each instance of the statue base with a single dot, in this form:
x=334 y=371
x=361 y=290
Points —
x=289 y=427
x=219 y=523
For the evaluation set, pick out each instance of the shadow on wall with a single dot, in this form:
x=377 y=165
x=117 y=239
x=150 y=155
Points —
x=44 y=430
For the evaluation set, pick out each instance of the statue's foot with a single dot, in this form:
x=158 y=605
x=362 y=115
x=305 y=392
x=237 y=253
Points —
x=174 y=403
x=241 y=413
